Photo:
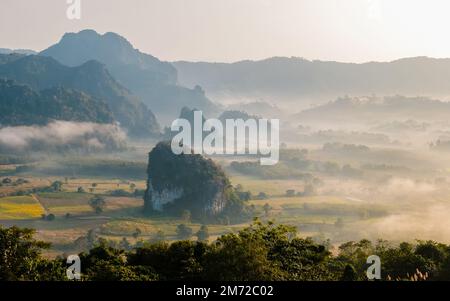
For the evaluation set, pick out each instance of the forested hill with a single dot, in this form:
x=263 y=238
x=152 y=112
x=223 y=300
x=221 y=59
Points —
x=21 y=105
x=92 y=78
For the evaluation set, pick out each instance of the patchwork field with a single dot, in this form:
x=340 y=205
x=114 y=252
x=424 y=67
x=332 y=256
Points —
x=319 y=217
x=19 y=208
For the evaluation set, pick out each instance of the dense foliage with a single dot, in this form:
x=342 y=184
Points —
x=259 y=252
x=21 y=105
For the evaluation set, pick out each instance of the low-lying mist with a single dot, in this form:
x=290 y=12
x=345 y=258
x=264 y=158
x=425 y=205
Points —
x=415 y=209
x=62 y=136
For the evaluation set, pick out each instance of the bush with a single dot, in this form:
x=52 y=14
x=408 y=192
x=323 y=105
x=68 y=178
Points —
x=203 y=233
x=97 y=203
x=121 y=193
x=262 y=196
x=290 y=193
x=184 y=232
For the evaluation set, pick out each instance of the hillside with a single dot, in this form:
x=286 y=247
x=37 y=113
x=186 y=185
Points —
x=21 y=105
x=91 y=78
x=156 y=82
x=8 y=58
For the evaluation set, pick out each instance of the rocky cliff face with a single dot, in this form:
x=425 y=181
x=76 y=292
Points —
x=185 y=182
x=159 y=198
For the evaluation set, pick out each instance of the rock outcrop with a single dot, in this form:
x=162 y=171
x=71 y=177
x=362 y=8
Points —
x=185 y=182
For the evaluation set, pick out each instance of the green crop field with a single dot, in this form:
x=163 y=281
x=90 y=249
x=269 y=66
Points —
x=61 y=203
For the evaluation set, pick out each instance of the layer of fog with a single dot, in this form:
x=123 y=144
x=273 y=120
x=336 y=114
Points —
x=415 y=208
x=62 y=136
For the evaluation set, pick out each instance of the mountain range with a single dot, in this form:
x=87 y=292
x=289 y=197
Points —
x=154 y=81
x=282 y=79
x=373 y=110
x=106 y=74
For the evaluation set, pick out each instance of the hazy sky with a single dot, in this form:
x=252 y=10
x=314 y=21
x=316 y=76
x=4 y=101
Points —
x=231 y=30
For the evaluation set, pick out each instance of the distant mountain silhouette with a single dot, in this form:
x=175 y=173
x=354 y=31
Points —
x=9 y=58
x=92 y=78
x=154 y=81
x=21 y=105
x=376 y=109
x=298 y=79
x=18 y=51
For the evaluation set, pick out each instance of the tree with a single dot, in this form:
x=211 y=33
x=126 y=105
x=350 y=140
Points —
x=97 y=203
x=203 y=233
x=184 y=232
x=56 y=186
x=243 y=195
x=104 y=263
x=243 y=256
x=267 y=208
x=6 y=181
x=91 y=238
x=124 y=244
x=159 y=237
x=339 y=223
x=19 y=254
x=290 y=193
x=136 y=233
x=309 y=190
x=262 y=196
x=403 y=262
x=81 y=190
x=186 y=216
x=349 y=273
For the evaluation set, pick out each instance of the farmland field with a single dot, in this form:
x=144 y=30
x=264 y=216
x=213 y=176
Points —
x=323 y=215
x=270 y=187
x=20 y=207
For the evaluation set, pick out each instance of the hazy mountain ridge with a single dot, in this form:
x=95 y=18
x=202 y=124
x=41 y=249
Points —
x=112 y=50
x=92 y=78
x=156 y=82
x=9 y=58
x=17 y=51
x=375 y=109
x=282 y=78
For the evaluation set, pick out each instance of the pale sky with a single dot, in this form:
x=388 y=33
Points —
x=232 y=30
